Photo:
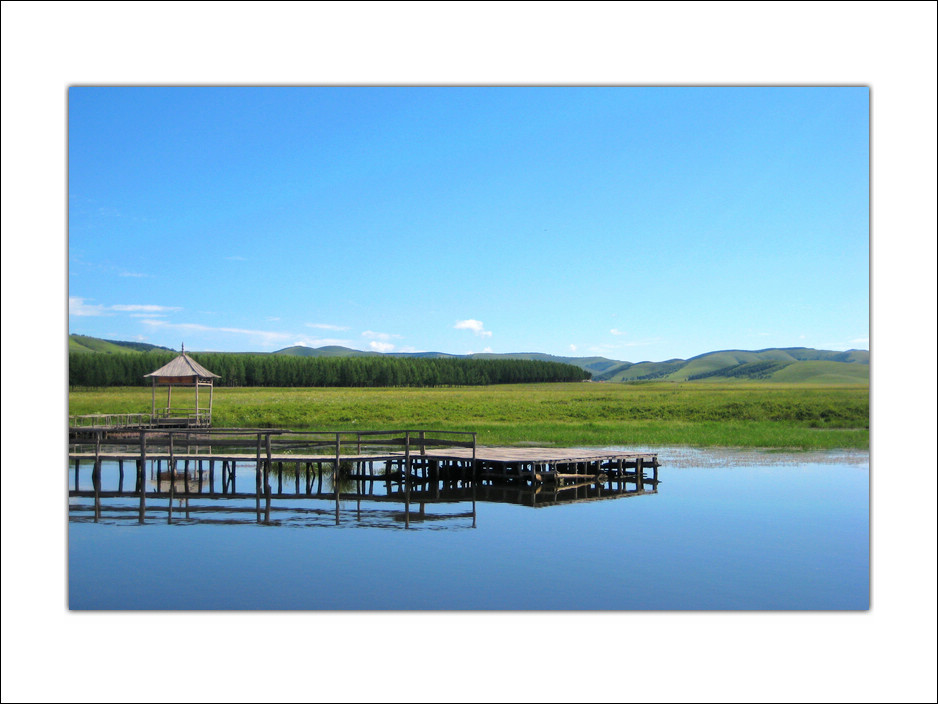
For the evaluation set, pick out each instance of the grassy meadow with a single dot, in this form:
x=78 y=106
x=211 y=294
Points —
x=740 y=414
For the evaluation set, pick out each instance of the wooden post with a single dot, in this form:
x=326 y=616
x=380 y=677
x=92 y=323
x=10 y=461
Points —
x=335 y=474
x=211 y=477
x=142 y=475
x=406 y=479
x=77 y=463
x=120 y=481
x=267 y=466
x=257 y=480
x=96 y=483
x=172 y=478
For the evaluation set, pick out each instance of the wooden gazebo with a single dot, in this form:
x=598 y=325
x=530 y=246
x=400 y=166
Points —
x=183 y=371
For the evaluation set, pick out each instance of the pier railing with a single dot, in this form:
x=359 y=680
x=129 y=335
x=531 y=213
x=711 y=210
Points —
x=262 y=441
x=186 y=418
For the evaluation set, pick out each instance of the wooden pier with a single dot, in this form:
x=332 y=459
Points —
x=410 y=465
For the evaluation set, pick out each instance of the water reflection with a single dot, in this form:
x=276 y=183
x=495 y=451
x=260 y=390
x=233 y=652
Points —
x=289 y=495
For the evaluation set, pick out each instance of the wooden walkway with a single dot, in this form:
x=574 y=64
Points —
x=410 y=462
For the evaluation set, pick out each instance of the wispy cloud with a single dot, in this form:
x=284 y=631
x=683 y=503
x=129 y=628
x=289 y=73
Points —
x=475 y=325
x=573 y=348
x=381 y=346
x=78 y=307
x=236 y=258
x=371 y=334
x=614 y=331
x=135 y=275
x=145 y=309
x=265 y=336
x=324 y=326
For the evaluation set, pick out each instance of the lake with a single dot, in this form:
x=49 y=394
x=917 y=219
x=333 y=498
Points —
x=723 y=530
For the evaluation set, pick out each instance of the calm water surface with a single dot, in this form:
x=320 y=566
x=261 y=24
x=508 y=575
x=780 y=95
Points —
x=725 y=530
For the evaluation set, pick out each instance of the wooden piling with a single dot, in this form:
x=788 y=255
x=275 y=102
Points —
x=141 y=476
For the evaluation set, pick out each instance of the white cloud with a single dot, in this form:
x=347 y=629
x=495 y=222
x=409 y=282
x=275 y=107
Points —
x=266 y=336
x=860 y=341
x=379 y=335
x=614 y=331
x=475 y=325
x=487 y=350
x=573 y=348
x=325 y=326
x=135 y=275
x=145 y=309
x=381 y=346
x=78 y=307
x=236 y=258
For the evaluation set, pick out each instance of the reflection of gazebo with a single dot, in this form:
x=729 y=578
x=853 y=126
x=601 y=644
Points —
x=183 y=371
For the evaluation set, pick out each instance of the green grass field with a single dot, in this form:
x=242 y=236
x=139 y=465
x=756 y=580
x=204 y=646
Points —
x=806 y=416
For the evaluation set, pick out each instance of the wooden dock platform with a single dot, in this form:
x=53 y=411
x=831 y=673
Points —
x=421 y=463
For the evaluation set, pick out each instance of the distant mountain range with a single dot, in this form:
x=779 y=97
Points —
x=790 y=364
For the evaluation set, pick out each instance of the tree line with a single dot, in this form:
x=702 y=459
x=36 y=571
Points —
x=96 y=370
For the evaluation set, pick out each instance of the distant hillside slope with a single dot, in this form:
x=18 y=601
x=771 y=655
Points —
x=83 y=343
x=330 y=351
x=793 y=364
x=788 y=364
x=797 y=364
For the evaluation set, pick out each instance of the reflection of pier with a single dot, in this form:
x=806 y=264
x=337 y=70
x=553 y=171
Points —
x=189 y=471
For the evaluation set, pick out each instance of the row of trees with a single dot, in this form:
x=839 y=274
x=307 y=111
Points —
x=89 y=369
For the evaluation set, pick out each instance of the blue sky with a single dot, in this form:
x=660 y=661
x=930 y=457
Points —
x=633 y=223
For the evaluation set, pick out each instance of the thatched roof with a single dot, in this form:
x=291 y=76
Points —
x=183 y=366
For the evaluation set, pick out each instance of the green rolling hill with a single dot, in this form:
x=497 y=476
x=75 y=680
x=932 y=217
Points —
x=83 y=343
x=783 y=365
